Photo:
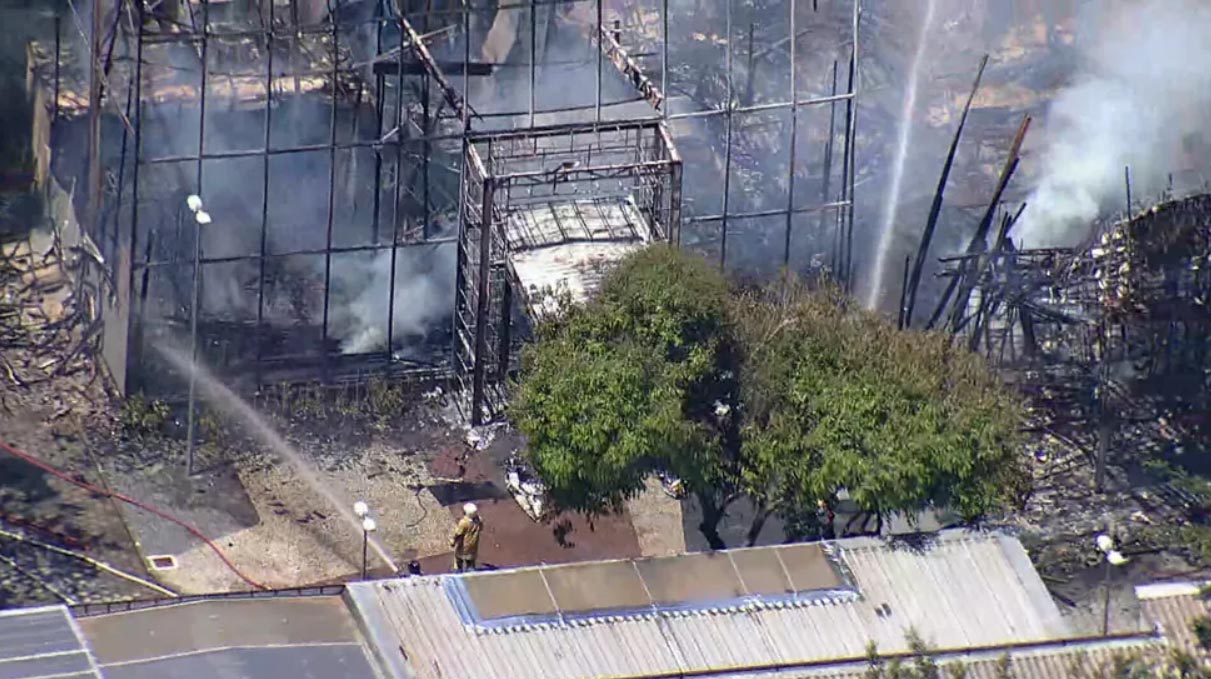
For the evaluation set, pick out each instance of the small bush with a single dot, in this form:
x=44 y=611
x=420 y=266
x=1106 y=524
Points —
x=141 y=417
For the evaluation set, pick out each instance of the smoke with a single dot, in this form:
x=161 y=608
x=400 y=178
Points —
x=1145 y=76
x=424 y=290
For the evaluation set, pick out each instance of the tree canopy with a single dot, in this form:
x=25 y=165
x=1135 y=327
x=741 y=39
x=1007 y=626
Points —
x=786 y=394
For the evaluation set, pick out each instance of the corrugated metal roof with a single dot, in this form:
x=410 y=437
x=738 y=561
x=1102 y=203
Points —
x=1174 y=607
x=960 y=590
x=1056 y=660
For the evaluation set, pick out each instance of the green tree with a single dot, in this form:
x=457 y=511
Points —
x=838 y=398
x=786 y=395
x=627 y=384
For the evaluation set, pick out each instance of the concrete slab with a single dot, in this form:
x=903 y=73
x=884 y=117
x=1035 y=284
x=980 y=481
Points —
x=183 y=628
x=657 y=520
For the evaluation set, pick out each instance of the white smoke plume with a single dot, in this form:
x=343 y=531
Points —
x=1143 y=82
x=424 y=293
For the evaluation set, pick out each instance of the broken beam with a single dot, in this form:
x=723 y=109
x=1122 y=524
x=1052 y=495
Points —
x=417 y=68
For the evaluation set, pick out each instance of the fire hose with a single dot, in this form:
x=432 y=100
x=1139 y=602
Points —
x=99 y=565
x=105 y=492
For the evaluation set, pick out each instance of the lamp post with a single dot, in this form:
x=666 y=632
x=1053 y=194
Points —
x=368 y=527
x=202 y=217
x=362 y=510
x=1113 y=557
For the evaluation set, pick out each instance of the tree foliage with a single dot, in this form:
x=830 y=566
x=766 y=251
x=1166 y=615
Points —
x=838 y=398
x=615 y=389
x=786 y=394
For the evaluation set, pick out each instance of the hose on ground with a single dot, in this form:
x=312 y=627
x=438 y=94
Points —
x=105 y=492
x=99 y=565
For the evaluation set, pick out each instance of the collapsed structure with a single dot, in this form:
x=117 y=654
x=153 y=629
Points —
x=1109 y=338
x=383 y=186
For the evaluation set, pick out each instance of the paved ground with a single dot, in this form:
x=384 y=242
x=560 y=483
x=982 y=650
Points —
x=511 y=537
x=657 y=519
x=271 y=523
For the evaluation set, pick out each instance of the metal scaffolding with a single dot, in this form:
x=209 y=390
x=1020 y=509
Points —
x=347 y=152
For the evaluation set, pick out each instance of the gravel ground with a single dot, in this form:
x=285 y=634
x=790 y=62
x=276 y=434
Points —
x=276 y=527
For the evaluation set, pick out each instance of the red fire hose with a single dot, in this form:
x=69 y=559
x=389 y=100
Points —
x=131 y=501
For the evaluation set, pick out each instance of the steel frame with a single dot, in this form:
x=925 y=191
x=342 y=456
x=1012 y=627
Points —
x=420 y=125
x=505 y=170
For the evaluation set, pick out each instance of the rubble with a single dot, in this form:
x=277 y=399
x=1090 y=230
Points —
x=52 y=401
x=1108 y=341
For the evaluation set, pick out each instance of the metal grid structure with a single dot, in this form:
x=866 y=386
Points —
x=326 y=140
x=510 y=179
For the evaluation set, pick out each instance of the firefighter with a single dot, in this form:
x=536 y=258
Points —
x=465 y=540
x=826 y=519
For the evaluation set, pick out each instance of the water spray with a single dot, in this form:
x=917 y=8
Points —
x=226 y=400
x=903 y=140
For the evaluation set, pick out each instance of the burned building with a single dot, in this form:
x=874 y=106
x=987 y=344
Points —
x=303 y=190
x=1109 y=339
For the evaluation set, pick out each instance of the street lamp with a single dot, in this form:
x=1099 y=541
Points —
x=368 y=527
x=362 y=511
x=202 y=217
x=1105 y=545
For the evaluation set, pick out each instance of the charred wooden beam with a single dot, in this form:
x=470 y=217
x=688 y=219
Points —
x=417 y=68
x=935 y=209
x=976 y=244
x=628 y=67
x=425 y=57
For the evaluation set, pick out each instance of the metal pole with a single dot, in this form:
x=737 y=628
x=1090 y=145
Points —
x=533 y=57
x=134 y=197
x=379 y=88
x=399 y=159
x=600 y=57
x=191 y=444
x=790 y=184
x=54 y=116
x=260 y=299
x=853 y=144
x=365 y=551
x=727 y=153
x=331 y=184
x=1106 y=607
x=94 y=119
x=426 y=145
x=826 y=184
x=664 y=57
